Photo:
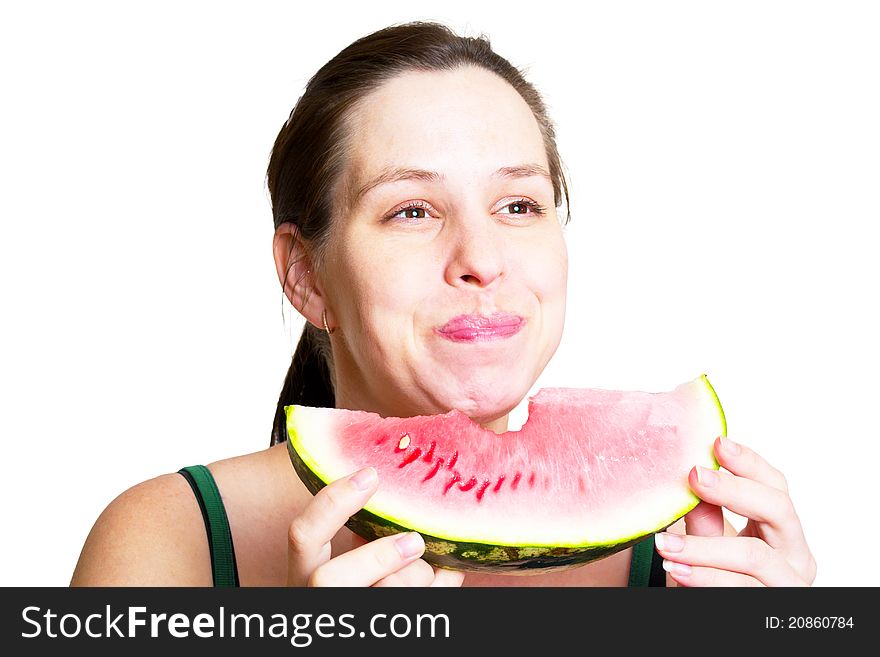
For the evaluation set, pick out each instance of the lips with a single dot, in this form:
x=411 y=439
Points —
x=471 y=328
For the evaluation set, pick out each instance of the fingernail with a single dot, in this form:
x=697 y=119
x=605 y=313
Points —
x=707 y=477
x=410 y=544
x=730 y=446
x=363 y=479
x=669 y=542
x=676 y=568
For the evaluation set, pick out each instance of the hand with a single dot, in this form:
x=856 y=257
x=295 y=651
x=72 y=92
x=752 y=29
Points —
x=387 y=561
x=770 y=550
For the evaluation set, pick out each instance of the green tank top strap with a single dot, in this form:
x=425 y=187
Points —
x=223 y=566
x=646 y=565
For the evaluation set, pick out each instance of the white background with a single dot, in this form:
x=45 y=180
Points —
x=724 y=161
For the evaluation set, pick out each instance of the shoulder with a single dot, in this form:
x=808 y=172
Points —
x=150 y=535
x=153 y=534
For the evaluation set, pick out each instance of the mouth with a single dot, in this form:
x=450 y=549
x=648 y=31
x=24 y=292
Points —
x=480 y=328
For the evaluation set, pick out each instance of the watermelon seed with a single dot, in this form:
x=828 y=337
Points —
x=482 y=489
x=532 y=480
x=434 y=470
x=498 y=485
x=429 y=456
x=404 y=442
x=452 y=460
x=516 y=479
x=412 y=456
x=455 y=477
x=470 y=484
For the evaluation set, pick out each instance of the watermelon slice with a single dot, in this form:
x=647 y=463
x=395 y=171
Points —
x=590 y=473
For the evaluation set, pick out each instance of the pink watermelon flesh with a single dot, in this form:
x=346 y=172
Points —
x=589 y=467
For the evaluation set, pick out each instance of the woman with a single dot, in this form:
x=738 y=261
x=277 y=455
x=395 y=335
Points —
x=415 y=185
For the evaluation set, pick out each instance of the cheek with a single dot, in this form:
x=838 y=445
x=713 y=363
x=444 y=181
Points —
x=546 y=264
x=551 y=291
x=564 y=268
x=386 y=283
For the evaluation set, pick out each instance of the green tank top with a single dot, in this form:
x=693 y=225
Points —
x=223 y=566
x=646 y=566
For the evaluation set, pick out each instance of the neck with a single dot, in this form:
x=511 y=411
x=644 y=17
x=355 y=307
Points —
x=498 y=425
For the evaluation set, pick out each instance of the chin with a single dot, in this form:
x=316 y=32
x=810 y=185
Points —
x=487 y=406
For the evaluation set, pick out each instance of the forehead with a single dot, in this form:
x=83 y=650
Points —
x=466 y=122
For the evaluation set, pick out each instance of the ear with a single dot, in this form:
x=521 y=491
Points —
x=296 y=274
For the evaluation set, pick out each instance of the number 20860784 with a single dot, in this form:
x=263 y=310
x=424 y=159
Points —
x=808 y=622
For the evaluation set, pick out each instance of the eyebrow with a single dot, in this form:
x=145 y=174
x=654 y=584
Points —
x=396 y=174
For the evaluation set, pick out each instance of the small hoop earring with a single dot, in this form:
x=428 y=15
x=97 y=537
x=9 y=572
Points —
x=324 y=317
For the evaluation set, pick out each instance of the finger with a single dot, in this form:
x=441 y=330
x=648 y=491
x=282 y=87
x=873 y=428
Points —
x=444 y=577
x=417 y=573
x=747 y=556
x=686 y=575
x=705 y=520
x=744 y=462
x=366 y=565
x=310 y=532
x=754 y=500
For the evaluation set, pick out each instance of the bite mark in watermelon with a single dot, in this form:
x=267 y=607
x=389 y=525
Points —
x=590 y=473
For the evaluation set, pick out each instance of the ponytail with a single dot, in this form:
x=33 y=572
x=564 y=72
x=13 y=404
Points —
x=308 y=381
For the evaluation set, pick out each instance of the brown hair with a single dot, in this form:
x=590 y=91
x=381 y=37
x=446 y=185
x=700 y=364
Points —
x=309 y=154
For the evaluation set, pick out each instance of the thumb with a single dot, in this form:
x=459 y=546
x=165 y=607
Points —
x=311 y=532
x=705 y=520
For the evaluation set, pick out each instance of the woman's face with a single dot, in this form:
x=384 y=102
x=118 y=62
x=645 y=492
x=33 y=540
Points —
x=449 y=212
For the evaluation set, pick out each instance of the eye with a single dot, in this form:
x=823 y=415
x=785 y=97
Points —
x=417 y=210
x=524 y=207
x=412 y=211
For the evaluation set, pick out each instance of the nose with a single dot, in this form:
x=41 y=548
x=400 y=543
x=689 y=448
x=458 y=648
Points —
x=477 y=253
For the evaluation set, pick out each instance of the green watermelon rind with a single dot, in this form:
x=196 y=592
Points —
x=468 y=555
x=705 y=380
